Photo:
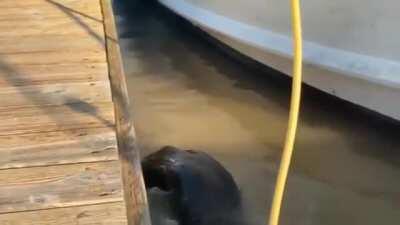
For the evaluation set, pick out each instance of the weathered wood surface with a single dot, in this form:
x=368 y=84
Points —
x=20 y=120
x=54 y=57
x=102 y=214
x=59 y=186
x=59 y=158
x=4 y=4
x=55 y=94
x=59 y=147
x=60 y=26
x=54 y=43
x=21 y=10
x=21 y=75
x=135 y=197
x=51 y=17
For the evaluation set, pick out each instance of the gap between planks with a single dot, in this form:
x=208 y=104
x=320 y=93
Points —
x=46 y=43
x=98 y=214
x=48 y=187
x=20 y=75
x=57 y=186
x=55 y=94
x=60 y=147
x=21 y=120
x=52 y=10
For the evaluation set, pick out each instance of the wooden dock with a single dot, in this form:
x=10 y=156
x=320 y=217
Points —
x=61 y=91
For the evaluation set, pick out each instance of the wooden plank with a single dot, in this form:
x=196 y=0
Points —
x=53 y=57
x=74 y=20
x=57 y=26
x=54 y=148
x=102 y=214
x=17 y=75
x=20 y=120
x=38 y=43
x=47 y=11
x=59 y=186
x=30 y=3
x=58 y=148
x=33 y=140
x=55 y=94
x=135 y=194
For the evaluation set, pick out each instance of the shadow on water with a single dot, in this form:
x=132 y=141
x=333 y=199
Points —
x=187 y=92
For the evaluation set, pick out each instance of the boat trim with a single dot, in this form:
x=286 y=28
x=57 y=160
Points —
x=363 y=80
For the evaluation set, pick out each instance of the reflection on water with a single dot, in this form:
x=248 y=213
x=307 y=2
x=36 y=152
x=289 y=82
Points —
x=187 y=93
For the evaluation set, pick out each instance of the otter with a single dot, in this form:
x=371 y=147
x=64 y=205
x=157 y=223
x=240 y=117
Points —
x=204 y=192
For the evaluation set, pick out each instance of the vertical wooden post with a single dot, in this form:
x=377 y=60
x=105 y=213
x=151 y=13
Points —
x=134 y=189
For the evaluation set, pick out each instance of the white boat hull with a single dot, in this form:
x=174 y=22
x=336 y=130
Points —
x=345 y=54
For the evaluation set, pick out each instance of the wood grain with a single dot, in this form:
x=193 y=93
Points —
x=57 y=26
x=55 y=94
x=20 y=120
x=56 y=148
x=45 y=43
x=135 y=191
x=53 y=57
x=48 y=10
x=102 y=214
x=59 y=186
x=30 y=3
x=21 y=75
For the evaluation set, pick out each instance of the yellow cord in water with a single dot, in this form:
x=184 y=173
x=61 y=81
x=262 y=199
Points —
x=293 y=116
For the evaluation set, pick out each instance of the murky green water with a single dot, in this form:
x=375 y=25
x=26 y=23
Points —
x=186 y=92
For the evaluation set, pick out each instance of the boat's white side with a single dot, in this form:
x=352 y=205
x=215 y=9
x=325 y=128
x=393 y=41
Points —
x=353 y=54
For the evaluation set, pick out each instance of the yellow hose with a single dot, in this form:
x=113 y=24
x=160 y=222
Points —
x=293 y=116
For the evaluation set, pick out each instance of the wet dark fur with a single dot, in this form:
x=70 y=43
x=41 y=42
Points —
x=205 y=193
